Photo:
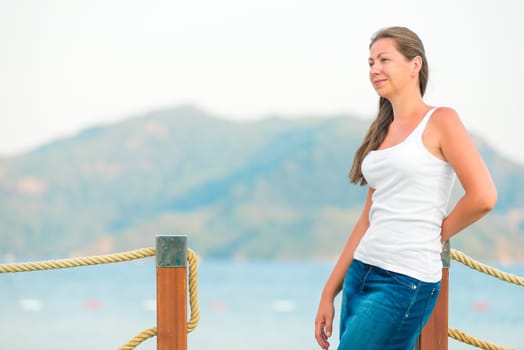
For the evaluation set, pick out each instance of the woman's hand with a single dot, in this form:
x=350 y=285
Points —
x=324 y=322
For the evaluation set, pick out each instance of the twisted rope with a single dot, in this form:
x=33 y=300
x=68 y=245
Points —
x=75 y=262
x=469 y=262
x=467 y=339
x=193 y=291
x=114 y=258
x=139 y=339
x=193 y=304
x=504 y=276
x=193 y=286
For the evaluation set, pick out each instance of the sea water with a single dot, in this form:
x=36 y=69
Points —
x=244 y=305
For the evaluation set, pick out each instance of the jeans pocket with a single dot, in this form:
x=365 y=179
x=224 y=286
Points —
x=410 y=282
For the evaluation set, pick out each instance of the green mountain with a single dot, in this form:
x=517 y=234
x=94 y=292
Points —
x=275 y=188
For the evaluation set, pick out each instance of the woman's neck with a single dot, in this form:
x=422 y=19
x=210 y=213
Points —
x=408 y=108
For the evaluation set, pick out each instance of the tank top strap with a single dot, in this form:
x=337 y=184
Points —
x=422 y=125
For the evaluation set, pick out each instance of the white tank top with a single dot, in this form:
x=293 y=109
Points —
x=412 y=192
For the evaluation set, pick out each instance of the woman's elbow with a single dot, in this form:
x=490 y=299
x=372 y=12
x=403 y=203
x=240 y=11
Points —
x=487 y=200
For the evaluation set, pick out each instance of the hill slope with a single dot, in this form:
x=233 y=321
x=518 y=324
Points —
x=276 y=188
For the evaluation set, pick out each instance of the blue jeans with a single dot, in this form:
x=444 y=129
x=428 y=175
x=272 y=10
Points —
x=383 y=310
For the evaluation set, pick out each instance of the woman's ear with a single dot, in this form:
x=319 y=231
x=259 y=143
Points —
x=417 y=65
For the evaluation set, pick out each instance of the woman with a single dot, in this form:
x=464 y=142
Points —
x=390 y=267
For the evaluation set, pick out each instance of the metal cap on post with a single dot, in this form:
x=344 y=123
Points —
x=171 y=251
x=171 y=267
x=445 y=256
x=434 y=336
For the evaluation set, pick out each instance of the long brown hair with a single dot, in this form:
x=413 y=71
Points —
x=409 y=45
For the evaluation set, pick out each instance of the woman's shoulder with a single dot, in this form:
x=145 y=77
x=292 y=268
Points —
x=446 y=125
x=445 y=117
x=444 y=112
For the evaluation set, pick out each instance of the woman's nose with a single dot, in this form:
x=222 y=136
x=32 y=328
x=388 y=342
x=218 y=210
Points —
x=374 y=69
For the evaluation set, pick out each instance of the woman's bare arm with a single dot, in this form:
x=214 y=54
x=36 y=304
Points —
x=480 y=194
x=325 y=314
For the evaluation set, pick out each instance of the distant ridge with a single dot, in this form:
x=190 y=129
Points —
x=275 y=188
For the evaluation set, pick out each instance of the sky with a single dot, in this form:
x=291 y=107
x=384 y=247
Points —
x=70 y=64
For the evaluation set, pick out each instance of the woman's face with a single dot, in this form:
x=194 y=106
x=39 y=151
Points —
x=390 y=72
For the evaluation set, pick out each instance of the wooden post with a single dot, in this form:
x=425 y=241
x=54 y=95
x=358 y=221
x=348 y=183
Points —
x=171 y=295
x=434 y=336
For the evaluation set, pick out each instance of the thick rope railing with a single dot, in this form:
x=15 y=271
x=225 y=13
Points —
x=115 y=258
x=504 y=276
x=193 y=291
x=193 y=304
x=479 y=343
x=76 y=262
x=471 y=263
x=139 y=339
x=193 y=286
